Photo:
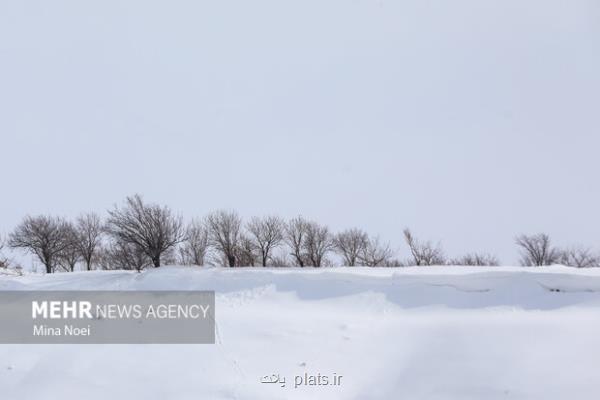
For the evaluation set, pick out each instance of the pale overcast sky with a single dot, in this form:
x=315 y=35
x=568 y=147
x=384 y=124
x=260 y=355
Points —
x=469 y=121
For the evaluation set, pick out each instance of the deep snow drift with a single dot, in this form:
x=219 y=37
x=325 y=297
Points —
x=397 y=333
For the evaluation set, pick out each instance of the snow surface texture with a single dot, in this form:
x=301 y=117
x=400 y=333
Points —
x=408 y=333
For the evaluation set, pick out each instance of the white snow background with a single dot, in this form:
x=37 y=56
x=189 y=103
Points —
x=409 y=333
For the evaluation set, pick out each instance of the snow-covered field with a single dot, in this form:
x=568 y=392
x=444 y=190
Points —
x=401 y=333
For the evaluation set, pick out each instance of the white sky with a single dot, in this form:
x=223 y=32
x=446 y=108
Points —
x=469 y=121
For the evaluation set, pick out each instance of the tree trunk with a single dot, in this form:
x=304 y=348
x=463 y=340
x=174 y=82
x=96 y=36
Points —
x=46 y=259
x=156 y=261
x=231 y=260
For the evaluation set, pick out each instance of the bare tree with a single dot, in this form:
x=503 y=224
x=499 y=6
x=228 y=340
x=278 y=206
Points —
x=247 y=252
x=424 y=253
x=350 y=244
x=70 y=255
x=476 y=259
x=152 y=228
x=295 y=236
x=309 y=242
x=43 y=236
x=225 y=229
x=318 y=242
x=195 y=245
x=88 y=230
x=537 y=250
x=579 y=257
x=4 y=263
x=266 y=233
x=375 y=254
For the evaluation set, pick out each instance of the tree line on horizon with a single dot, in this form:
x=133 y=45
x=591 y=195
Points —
x=138 y=235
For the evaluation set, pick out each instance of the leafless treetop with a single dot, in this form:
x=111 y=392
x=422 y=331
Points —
x=88 y=228
x=266 y=233
x=537 y=250
x=151 y=228
x=225 y=229
x=350 y=244
x=375 y=254
x=44 y=236
x=295 y=237
x=318 y=242
x=195 y=245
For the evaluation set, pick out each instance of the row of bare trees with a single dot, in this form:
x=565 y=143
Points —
x=137 y=235
x=425 y=253
x=537 y=250
x=57 y=243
